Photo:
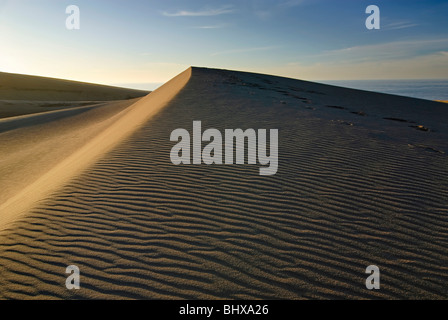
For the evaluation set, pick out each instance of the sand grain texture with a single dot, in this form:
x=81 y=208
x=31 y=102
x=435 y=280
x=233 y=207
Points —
x=24 y=87
x=359 y=183
x=23 y=94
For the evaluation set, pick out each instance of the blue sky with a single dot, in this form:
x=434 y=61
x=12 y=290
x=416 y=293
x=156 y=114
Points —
x=144 y=41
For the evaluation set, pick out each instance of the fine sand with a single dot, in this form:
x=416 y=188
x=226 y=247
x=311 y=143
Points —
x=362 y=180
x=23 y=87
x=23 y=94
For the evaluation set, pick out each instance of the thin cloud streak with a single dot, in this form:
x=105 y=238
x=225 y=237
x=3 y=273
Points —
x=291 y=3
x=400 y=25
x=389 y=50
x=202 y=13
x=210 y=27
x=244 y=50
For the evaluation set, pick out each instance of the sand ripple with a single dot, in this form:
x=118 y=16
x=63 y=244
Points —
x=344 y=197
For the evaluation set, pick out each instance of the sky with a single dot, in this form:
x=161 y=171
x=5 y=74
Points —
x=141 y=43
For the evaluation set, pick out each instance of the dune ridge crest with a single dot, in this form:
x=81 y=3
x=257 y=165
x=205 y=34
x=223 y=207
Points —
x=361 y=181
x=133 y=118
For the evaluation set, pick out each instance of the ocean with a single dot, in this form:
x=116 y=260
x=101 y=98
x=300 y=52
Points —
x=423 y=89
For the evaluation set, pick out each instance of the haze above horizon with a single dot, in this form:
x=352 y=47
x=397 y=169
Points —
x=152 y=41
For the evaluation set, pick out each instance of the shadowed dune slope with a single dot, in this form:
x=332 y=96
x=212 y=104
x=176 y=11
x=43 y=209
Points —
x=27 y=149
x=362 y=180
x=24 y=87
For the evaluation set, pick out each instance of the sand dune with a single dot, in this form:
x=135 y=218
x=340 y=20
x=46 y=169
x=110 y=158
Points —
x=16 y=108
x=23 y=87
x=23 y=94
x=44 y=136
x=362 y=180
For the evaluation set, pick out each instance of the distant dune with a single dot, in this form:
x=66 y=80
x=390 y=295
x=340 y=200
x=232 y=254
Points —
x=24 y=87
x=23 y=94
x=362 y=180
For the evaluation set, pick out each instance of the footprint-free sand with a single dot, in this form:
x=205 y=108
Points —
x=362 y=180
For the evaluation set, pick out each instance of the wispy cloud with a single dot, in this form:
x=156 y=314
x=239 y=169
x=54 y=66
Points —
x=291 y=3
x=428 y=66
x=244 y=50
x=388 y=50
x=201 y=13
x=400 y=25
x=219 y=26
x=266 y=11
x=263 y=14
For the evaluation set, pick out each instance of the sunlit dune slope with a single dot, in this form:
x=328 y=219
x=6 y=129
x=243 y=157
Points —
x=362 y=180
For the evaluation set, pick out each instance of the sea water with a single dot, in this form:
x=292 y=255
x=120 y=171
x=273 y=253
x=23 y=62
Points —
x=423 y=89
